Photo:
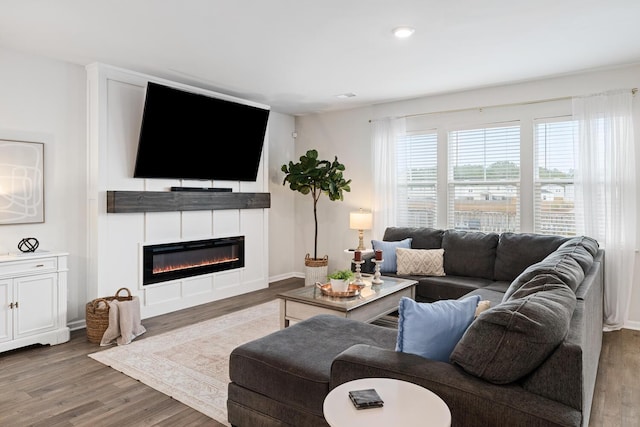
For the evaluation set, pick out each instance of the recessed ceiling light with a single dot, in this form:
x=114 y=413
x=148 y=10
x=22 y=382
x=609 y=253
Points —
x=346 y=95
x=403 y=32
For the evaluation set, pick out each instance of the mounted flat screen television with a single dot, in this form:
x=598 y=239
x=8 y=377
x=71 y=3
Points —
x=187 y=135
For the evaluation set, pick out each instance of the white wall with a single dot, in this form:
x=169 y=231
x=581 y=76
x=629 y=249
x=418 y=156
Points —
x=116 y=101
x=44 y=100
x=282 y=212
x=347 y=135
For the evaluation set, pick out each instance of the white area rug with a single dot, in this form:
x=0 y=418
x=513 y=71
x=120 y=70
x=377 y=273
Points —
x=191 y=364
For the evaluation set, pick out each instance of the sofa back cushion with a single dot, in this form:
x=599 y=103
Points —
x=517 y=251
x=469 y=253
x=583 y=249
x=560 y=264
x=510 y=340
x=421 y=237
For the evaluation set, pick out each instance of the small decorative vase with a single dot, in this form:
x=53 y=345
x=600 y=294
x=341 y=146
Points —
x=339 y=285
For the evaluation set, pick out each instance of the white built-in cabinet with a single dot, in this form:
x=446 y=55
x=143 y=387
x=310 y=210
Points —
x=33 y=299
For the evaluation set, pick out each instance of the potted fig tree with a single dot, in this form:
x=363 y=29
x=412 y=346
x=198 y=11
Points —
x=316 y=177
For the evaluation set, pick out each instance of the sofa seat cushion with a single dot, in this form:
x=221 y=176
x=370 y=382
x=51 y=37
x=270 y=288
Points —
x=469 y=253
x=510 y=340
x=293 y=365
x=494 y=297
x=433 y=288
x=517 y=251
x=498 y=286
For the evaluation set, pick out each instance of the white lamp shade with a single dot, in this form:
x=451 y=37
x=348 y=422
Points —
x=360 y=220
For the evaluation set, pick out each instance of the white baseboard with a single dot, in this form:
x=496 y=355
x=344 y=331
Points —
x=632 y=325
x=77 y=324
x=286 y=276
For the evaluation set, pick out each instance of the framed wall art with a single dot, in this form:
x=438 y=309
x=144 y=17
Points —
x=21 y=182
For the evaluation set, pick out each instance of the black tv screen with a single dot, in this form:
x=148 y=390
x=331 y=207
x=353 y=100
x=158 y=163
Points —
x=187 y=135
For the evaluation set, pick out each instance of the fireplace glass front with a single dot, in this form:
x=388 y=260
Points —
x=171 y=261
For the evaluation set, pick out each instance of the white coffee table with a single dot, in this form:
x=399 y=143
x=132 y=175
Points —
x=405 y=404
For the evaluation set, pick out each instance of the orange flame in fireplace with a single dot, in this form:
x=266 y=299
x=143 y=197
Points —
x=169 y=268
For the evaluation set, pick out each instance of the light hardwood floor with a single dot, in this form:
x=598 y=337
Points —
x=60 y=386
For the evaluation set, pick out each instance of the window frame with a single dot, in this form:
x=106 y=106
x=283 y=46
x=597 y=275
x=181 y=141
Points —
x=526 y=114
x=404 y=214
x=484 y=223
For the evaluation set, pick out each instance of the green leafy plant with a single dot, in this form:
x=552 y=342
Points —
x=316 y=177
x=341 y=275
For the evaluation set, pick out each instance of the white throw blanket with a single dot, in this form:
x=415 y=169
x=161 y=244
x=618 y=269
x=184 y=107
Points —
x=124 y=322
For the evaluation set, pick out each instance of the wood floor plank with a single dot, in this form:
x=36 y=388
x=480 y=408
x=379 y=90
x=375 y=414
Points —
x=60 y=385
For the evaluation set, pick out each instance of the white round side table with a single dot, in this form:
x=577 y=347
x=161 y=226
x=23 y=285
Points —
x=405 y=404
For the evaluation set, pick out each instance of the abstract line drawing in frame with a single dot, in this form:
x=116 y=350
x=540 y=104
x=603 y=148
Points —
x=21 y=182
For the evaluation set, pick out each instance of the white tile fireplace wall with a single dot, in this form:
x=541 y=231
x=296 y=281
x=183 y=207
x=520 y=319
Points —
x=115 y=240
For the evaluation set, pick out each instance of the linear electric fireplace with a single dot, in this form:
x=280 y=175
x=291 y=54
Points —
x=171 y=261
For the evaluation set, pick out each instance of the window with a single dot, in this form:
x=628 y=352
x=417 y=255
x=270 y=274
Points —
x=554 y=178
x=484 y=179
x=499 y=169
x=416 y=159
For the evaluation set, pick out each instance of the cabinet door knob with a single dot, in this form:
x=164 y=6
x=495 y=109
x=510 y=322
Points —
x=11 y=306
x=39 y=265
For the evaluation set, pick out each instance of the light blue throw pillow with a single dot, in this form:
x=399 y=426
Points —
x=432 y=330
x=389 y=259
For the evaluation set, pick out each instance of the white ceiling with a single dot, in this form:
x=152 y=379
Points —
x=297 y=55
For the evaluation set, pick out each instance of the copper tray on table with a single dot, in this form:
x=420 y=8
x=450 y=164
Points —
x=352 y=291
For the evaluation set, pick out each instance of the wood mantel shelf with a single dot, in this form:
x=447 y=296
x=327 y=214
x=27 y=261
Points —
x=167 y=201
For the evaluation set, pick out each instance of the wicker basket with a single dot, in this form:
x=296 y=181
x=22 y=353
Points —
x=315 y=270
x=97 y=315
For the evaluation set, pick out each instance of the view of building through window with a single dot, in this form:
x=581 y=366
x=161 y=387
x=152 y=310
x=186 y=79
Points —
x=554 y=178
x=484 y=179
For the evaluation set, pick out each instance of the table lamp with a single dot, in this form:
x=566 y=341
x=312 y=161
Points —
x=360 y=221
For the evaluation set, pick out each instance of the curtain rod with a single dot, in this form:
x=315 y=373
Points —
x=513 y=104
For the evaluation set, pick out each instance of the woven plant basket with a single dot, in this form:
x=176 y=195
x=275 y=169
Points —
x=315 y=270
x=97 y=315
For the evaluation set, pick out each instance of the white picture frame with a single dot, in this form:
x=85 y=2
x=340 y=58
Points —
x=21 y=182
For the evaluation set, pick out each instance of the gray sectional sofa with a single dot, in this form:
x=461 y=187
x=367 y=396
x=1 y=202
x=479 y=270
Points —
x=529 y=360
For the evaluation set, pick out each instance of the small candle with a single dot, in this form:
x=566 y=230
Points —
x=357 y=255
x=378 y=255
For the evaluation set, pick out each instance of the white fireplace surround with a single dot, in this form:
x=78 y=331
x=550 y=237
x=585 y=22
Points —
x=115 y=104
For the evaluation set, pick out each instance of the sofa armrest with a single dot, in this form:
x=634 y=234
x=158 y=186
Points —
x=472 y=401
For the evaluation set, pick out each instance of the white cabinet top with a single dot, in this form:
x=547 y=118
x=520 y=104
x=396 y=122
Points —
x=19 y=256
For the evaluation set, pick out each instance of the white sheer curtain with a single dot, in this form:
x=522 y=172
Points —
x=605 y=192
x=383 y=142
